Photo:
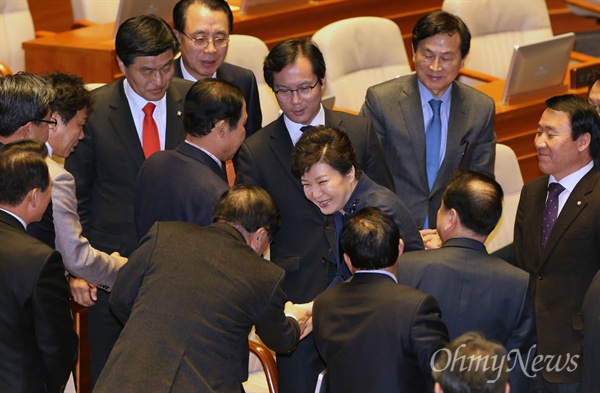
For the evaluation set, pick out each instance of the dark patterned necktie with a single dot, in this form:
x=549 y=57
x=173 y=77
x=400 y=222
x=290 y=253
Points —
x=550 y=211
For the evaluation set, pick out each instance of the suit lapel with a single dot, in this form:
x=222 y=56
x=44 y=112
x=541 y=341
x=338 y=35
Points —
x=121 y=120
x=574 y=206
x=281 y=146
x=174 y=121
x=412 y=113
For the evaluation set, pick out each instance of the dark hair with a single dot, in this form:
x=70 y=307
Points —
x=22 y=168
x=144 y=35
x=23 y=98
x=438 y=22
x=476 y=198
x=323 y=144
x=208 y=101
x=582 y=117
x=370 y=238
x=181 y=8
x=485 y=367
x=250 y=207
x=70 y=97
x=288 y=52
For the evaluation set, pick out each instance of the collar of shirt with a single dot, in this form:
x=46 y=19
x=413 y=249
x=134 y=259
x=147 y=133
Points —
x=444 y=113
x=294 y=128
x=207 y=152
x=49 y=149
x=377 y=272
x=186 y=75
x=136 y=105
x=569 y=182
x=17 y=217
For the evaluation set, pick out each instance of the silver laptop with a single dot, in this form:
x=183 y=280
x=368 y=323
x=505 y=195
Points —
x=538 y=65
x=130 y=8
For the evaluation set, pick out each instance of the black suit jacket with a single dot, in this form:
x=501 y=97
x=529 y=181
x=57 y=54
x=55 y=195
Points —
x=377 y=336
x=38 y=344
x=300 y=246
x=246 y=81
x=562 y=272
x=476 y=292
x=189 y=297
x=183 y=184
x=107 y=162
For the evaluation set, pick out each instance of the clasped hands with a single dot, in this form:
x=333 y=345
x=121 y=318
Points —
x=303 y=314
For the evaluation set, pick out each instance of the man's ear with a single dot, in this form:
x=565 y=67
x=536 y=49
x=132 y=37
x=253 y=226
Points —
x=583 y=142
x=349 y=264
x=121 y=64
x=400 y=247
x=220 y=127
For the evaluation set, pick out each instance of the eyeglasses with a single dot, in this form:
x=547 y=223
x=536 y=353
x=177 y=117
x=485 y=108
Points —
x=202 y=42
x=51 y=123
x=304 y=91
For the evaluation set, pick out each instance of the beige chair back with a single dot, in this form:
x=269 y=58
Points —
x=16 y=26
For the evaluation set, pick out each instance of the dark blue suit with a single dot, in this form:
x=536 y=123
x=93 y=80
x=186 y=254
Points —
x=246 y=81
x=178 y=185
x=476 y=292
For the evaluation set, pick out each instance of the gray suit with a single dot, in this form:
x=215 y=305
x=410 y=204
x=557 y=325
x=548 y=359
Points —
x=189 y=296
x=395 y=109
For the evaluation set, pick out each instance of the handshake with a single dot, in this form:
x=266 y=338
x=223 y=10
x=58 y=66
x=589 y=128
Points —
x=301 y=313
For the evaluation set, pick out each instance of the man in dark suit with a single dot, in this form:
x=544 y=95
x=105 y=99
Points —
x=476 y=291
x=295 y=70
x=202 y=28
x=376 y=335
x=184 y=184
x=25 y=107
x=119 y=136
x=190 y=295
x=402 y=111
x=37 y=340
x=557 y=234
x=591 y=337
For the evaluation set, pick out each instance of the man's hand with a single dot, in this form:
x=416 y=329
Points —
x=431 y=239
x=83 y=292
x=303 y=314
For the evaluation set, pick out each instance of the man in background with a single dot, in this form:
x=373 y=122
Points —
x=295 y=70
x=557 y=235
x=202 y=28
x=133 y=117
x=37 y=340
x=430 y=124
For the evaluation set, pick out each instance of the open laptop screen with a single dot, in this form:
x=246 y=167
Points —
x=538 y=65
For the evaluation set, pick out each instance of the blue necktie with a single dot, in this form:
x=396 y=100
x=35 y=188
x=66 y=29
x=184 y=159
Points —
x=550 y=211
x=433 y=136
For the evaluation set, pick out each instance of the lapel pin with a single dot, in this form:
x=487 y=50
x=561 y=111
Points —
x=578 y=203
x=178 y=113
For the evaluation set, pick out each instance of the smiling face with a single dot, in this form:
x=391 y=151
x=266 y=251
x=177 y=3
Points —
x=327 y=188
x=437 y=62
x=150 y=76
x=201 y=21
x=558 y=154
x=65 y=138
x=301 y=109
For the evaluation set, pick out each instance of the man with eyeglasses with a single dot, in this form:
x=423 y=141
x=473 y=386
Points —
x=25 y=107
x=133 y=117
x=202 y=28
x=295 y=70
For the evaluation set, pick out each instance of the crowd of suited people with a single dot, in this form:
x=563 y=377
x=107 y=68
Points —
x=374 y=223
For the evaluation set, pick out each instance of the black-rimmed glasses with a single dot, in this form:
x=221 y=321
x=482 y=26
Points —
x=51 y=123
x=304 y=91
x=202 y=42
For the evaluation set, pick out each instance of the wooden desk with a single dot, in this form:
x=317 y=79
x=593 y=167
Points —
x=516 y=125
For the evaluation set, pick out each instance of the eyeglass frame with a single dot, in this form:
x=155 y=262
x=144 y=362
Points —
x=307 y=91
x=54 y=122
x=195 y=40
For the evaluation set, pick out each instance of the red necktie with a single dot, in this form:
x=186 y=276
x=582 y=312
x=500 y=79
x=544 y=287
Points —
x=230 y=170
x=150 y=140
